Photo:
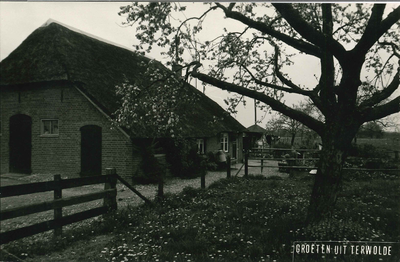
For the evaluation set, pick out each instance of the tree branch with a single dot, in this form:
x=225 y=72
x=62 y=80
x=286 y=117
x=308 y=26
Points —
x=379 y=112
x=279 y=74
x=311 y=94
x=384 y=94
x=263 y=28
x=307 y=120
x=376 y=28
x=293 y=87
x=394 y=48
x=195 y=18
x=371 y=31
x=327 y=79
x=294 y=18
x=280 y=88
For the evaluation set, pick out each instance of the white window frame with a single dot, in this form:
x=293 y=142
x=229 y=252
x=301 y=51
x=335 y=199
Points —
x=224 y=142
x=42 y=132
x=200 y=146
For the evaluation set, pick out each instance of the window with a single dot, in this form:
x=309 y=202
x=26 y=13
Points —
x=49 y=127
x=224 y=142
x=200 y=146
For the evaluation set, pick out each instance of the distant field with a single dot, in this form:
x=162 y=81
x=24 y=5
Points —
x=386 y=143
x=391 y=143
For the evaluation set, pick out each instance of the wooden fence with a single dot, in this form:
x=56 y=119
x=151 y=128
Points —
x=160 y=190
x=108 y=194
x=301 y=158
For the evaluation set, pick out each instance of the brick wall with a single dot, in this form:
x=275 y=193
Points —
x=61 y=154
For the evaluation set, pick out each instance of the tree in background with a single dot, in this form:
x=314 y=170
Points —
x=356 y=46
x=381 y=128
x=287 y=125
x=371 y=129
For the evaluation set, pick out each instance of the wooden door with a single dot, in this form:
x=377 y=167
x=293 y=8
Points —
x=91 y=144
x=20 y=144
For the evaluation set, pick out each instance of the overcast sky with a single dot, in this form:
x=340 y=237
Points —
x=19 y=19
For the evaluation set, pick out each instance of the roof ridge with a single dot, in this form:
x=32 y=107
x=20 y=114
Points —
x=50 y=21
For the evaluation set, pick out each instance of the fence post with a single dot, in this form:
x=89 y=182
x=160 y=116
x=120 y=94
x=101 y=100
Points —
x=246 y=163
x=160 y=192
x=160 y=176
x=262 y=164
x=203 y=169
x=57 y=211
x=110 y=202
x=228 y=166
x=203 y=180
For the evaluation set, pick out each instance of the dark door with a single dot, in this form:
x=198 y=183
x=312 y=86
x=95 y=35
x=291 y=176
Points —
x=234 y=149
x=90 y=150
x=20 y=144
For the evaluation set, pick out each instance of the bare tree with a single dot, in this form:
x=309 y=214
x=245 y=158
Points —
x=289 y=125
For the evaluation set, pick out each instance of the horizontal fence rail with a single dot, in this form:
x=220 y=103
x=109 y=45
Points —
x=38 y=187
x=108 y=195
x=50 y=205
x=300 y=159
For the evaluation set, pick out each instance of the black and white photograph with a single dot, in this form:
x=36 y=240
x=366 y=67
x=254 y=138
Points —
x=199 y=131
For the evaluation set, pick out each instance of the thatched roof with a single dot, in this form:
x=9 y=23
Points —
x=256 y=129
x=55 y=52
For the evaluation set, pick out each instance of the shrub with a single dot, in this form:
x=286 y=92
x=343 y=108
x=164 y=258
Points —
x=211 y=166
x=222 y=183
x=371 y=157
x=256 y=177
x=149 y=165
x=184 y=160
x=281 y=153
x=190 y=192
x=211 y=163
x=275 y=177
x=368 y=151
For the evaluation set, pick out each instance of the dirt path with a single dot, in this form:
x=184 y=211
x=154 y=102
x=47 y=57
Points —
x=124 y=195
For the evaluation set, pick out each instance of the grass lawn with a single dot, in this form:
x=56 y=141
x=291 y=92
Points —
x=235 y=219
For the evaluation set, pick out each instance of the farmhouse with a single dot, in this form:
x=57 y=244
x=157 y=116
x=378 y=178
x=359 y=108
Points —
x=58 y=99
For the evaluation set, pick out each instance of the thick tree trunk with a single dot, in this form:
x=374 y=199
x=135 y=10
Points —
x=328 y=179
x=327 y=185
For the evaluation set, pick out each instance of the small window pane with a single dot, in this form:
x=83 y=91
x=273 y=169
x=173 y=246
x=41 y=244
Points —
x=54 y=125
x=46 y=127
x=224 y=142
x=50 y=127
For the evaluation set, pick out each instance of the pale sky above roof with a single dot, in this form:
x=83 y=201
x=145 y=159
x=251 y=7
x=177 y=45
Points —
x=100 y=19
x=19 y=19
